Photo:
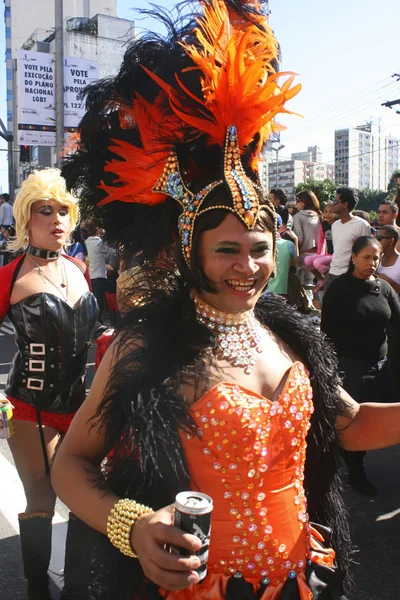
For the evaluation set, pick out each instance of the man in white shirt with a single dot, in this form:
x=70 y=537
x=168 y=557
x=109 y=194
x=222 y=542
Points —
x=6 y=213
x=389 y=269
x=344 y=232
x=97 y=251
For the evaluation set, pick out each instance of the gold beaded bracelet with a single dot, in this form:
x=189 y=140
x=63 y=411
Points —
x=121 y=519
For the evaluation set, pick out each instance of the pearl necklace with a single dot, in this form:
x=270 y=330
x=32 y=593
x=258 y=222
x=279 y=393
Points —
x=237 y=335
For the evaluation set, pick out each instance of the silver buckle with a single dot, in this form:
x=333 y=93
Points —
x=36 y=365
x=35 y=384
x=37 y=349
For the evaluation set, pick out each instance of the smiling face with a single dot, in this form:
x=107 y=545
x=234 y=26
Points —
x=49 y=225
x=237 y=262
x=366 y=261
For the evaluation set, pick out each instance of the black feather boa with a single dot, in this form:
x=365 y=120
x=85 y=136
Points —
x=143 y=409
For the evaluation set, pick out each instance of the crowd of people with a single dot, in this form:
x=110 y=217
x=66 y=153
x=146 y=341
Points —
x=213 y=381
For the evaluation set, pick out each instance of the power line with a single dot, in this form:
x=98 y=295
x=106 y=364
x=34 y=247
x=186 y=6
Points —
x=340 y=102
x=345 y=158
x=392 y=103
x=362 y=107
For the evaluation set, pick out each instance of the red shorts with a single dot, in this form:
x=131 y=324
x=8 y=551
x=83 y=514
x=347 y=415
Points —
x=23 y=411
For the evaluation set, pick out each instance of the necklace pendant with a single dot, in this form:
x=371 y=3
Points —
x=63 y=285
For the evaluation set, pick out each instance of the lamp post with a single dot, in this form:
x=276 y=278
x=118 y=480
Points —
x=276 y=150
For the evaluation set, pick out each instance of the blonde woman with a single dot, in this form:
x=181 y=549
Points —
x=46 y=296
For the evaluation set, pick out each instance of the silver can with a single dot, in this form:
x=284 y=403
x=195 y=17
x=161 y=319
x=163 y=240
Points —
x=193 y=512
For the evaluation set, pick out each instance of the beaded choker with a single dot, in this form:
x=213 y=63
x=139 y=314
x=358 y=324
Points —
x=238 y=338
x=45 y=254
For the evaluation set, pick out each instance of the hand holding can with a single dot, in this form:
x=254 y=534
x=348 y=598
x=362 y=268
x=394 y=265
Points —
x=193 y=514
x=7 y=428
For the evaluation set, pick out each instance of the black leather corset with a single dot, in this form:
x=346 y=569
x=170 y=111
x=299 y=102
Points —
x=48 y=370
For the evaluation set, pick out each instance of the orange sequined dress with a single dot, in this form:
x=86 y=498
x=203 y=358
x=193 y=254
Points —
x=250 y=459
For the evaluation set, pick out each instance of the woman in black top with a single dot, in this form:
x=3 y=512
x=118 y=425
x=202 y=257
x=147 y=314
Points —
x=356 y=311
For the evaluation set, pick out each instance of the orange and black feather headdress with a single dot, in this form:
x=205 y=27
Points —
x=199 y=114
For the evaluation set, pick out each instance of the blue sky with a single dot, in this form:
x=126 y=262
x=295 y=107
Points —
x=344 y=53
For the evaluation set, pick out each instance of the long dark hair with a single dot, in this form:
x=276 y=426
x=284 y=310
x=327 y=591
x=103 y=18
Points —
x=310 y=201
x=362 y=242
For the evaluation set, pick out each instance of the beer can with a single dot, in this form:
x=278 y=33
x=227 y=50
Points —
x=193 y=514
x=7 y=428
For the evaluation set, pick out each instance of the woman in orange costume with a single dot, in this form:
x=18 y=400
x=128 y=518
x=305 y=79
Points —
x=207 y=386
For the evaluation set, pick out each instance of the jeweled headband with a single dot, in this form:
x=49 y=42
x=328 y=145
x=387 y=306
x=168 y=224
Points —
x=245 y=202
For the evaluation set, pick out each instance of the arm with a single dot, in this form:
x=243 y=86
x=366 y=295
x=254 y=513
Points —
x=294 y=255
x=329 y=314
x=394 y=285
x=298 y=229
x=74 y=475
x=368 y=426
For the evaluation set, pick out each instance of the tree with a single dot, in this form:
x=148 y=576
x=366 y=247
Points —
x=371 y=199
x=324 y=190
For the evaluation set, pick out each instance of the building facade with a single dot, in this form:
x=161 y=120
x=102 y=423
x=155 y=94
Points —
x=365 y=158
x=287 y=174
x=312 y=154
x=91 y=31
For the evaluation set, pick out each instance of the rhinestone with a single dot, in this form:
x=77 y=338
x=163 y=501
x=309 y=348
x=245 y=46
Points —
x=239 y=524
x=227 y=494
x=234 y=511
x=245 y=496
x=217 y=466
x=261 y=496
x=251 y=566
x=252 y=527
x=299 y=416
x=288 y=564
x=268 y=530
x=260 y=545
x=251 y=473
x=236 y=539
x=232 y=466
x=282 y=548
x=300 y=564
x=292 y=574
x=258 y=557
x=270 y=561
x=237 y=575
x=203 y=418
x=206 y=451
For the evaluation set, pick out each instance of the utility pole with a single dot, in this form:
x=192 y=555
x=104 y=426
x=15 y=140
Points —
x=59 y=72
x=8 y=137
x=392 y=103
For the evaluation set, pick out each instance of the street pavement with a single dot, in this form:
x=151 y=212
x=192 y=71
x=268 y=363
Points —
x=375 y=522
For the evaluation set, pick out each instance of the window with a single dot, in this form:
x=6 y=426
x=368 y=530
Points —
x=9 y=74
x=8 y=53
x=7 y=12
x=9 y=95
x=8 y=32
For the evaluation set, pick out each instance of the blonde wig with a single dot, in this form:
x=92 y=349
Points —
x=47 y=184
